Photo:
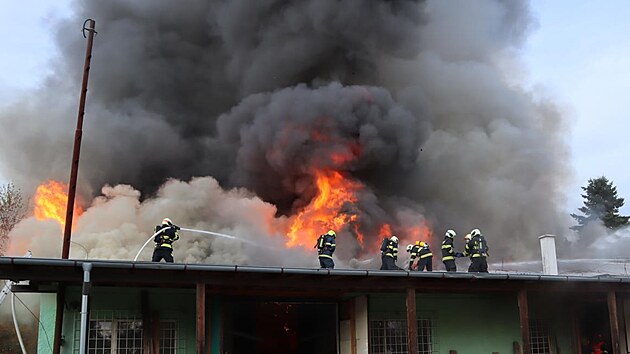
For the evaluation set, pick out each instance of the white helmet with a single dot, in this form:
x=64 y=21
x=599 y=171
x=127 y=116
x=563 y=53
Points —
x=394 y=239
x=167 y=221
x=475 y=232
x=409 y=247
x=450 y=233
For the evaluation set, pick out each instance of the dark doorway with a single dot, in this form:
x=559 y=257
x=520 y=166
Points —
x=594 y=326
x=279 y=327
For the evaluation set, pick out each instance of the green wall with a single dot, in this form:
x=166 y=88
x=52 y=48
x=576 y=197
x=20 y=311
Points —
x=45 y=337
x=176 y=304
x=468 y=323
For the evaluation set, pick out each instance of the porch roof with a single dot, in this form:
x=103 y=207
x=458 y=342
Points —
x=44 y=273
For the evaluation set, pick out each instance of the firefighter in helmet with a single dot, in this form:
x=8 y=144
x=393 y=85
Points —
x=390 y=254
x=448 y=253
x=426 y=257
x=325 y=248
x=477 y=250
x=166 y=234
x=414 y=251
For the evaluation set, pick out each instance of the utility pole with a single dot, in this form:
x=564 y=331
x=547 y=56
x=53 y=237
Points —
x=74 y=171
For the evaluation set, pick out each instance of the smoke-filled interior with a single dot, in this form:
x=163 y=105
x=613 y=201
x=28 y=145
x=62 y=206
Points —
x=274 y=121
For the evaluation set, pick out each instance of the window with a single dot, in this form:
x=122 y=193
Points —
x=118 y=333
x=168 y=337
x=390 y=336
x=540 y=337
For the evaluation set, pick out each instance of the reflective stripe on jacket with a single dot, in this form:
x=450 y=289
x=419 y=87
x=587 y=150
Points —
x=327 y=246
x=166 y=237
x=392 y=249
x=448 y=253
x=425 y=252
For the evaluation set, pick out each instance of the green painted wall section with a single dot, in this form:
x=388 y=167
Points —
x=47 y=308
x=175 y=304
x=470 y=323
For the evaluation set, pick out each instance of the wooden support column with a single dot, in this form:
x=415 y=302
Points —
x=412 y=324
x=575 y=329
x=155 y=332
x=523 y=311
x=614 y=321
x=145 y=311
x=201 y=318
x=208 y=324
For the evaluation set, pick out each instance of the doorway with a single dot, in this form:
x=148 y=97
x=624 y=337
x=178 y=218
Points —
x=252 y=326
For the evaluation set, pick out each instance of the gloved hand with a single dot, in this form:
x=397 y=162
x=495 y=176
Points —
x=176 y=227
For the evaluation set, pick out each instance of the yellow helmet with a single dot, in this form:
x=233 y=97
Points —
x=422 y=243
x=417 y=243
x=331 y=233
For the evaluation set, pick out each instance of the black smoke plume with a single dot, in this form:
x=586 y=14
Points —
x=259 y=93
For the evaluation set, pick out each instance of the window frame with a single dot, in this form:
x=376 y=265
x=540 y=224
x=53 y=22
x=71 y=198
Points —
x=426 y=329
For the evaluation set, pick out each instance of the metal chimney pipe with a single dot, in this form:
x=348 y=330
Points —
x=548 y=251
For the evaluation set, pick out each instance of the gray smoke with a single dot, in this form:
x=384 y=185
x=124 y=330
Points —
x=261 y=94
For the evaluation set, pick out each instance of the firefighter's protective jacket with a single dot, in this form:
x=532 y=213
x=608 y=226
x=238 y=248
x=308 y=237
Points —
x=476 y=247
x=326 y=246
x=415 y=253
x=167 y=237
x=392 y=249
x=425 y=252
x=448 y=253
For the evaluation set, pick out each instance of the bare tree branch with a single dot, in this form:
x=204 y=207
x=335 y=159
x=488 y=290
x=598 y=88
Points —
x=12 y=210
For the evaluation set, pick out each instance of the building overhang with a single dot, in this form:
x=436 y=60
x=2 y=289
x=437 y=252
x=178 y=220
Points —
x=45 y=274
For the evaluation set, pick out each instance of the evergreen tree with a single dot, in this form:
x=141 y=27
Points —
x=600 y=203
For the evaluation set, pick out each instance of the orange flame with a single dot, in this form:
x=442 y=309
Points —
x=51 y=199
x=420 y=232
x=385 y=231
x=325 y=210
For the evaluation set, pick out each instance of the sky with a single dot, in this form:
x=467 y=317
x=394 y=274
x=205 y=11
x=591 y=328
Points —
x=578 y=55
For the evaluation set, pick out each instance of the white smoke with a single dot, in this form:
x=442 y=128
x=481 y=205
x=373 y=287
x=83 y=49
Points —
x=117 y=224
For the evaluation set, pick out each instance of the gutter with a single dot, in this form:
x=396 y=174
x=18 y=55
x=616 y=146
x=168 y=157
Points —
x=19 y=261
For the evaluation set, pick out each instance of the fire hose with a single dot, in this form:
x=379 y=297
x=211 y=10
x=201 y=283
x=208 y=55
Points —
x=185 y=229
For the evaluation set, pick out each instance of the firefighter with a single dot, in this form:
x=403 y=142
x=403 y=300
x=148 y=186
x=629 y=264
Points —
x=164 y=241
x=325 y=248
x=414 y=251
x=448 y=253
x=390 y=254
x=426 y=257
x=477 y=250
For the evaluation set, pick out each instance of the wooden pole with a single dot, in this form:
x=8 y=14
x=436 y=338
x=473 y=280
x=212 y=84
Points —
x=575 y=328
x=353 y=326
x=614 y=323
x=201 y=318
x=78 y=134
x=155 y=331
x=208 y=324
x=412 y=325
x=523 y=311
